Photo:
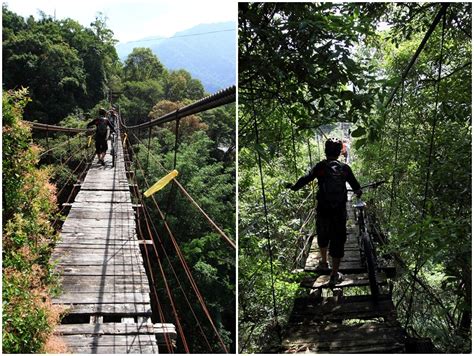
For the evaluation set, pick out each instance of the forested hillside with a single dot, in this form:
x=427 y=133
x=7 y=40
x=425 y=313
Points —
x=69 y=71
x=303 y=66
x=207 y=51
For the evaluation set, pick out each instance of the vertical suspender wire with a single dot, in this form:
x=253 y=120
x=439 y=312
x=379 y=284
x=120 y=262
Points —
x=294 y=148
x=418 y=264
x=292 y=137
x=267 y=225
x=395 y=159
x=176 y=140
x=148 y=152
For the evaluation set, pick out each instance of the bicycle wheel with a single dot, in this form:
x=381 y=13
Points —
x=371 y=267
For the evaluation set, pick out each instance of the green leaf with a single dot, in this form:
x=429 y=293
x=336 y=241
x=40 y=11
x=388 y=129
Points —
x=360 y=131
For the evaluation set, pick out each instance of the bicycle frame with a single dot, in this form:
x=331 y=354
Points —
x=366 y=247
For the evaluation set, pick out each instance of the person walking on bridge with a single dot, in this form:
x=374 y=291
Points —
x=101 y=124
x=331 y=211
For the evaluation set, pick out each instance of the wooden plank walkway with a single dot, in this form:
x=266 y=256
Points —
x=339 y=323
x=104 y=284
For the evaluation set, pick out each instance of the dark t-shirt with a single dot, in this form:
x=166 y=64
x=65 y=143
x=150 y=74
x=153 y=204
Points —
x=96 y=122
x=319 y=171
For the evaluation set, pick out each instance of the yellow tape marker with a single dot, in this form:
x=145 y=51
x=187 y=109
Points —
x=90 y=141
x=161 y=183
x=125 y=138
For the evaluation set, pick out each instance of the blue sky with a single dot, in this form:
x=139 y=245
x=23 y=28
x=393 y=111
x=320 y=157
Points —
x=132 y=20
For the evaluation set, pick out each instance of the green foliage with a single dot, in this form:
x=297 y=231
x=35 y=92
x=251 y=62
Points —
x=421 y=144
x=29 y=202
x=142 y=65
x=64 y=65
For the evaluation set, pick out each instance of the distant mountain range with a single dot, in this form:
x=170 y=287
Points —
x=207 y=51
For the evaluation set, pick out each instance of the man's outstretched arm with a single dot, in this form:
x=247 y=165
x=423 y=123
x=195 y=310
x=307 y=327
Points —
x=312 y=174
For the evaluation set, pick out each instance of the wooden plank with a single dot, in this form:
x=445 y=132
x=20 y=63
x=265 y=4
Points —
x=109 y=270
x=96 y=247
x=98 y=223
x=135 y=349
x=350 y=280
x=91 y=260
x=70 y=230
x=101 y=298
x=107 y=288
x=104 y=214
x=103 y=196
x=116 y=284
x=345 y=338
x=97 y=244
x=309 y=309
x=115 y=309
x=115 y=329
x=109 y=340
x=104 y=235
x=100 y=206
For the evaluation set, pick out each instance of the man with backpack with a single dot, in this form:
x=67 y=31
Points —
x=101 y=134
x=331 y=211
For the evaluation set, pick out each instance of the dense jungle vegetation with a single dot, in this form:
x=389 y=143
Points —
x=306 y=67
x=59 y=72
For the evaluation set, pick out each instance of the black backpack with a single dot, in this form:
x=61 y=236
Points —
x=102 y=127
x=333 y=188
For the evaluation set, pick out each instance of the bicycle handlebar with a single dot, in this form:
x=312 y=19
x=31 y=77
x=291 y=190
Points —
x=371 y=185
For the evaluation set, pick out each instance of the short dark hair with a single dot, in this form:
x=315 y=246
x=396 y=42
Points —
x=102 y=111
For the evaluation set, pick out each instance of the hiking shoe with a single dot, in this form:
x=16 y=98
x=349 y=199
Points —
x=336 y=278
x=322 y=266
x=102 y=162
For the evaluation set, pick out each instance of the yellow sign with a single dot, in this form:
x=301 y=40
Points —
x=161 y=183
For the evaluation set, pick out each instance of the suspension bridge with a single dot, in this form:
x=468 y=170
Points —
x=107 y=262
x=343 y=318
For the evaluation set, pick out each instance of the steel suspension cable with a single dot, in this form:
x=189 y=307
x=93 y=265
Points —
x=150 y=220
x=60 y=145
x=196 y=205
x=225 y=96
x=185 y=265
x=155 y=293
x=168 y=292
x=397 y=145
x=267 y=227
x=422 y=44
x=418 y=264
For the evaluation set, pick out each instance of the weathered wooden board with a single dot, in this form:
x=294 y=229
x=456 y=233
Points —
x=99 y=206
x=100 y=280
x=85 y=287
x=350 y=280
x=330 y=309
x=100 y=297
x=75 y=230
x=125 y=309
x=120 y=349
x=106 y=235
x=91 y=260
x=98 y=223
x=103 y=214
x=107 y=270
x=115 y=329
x=103 y=196
x=110 y=340
x=97 y=246
x=369 y=337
